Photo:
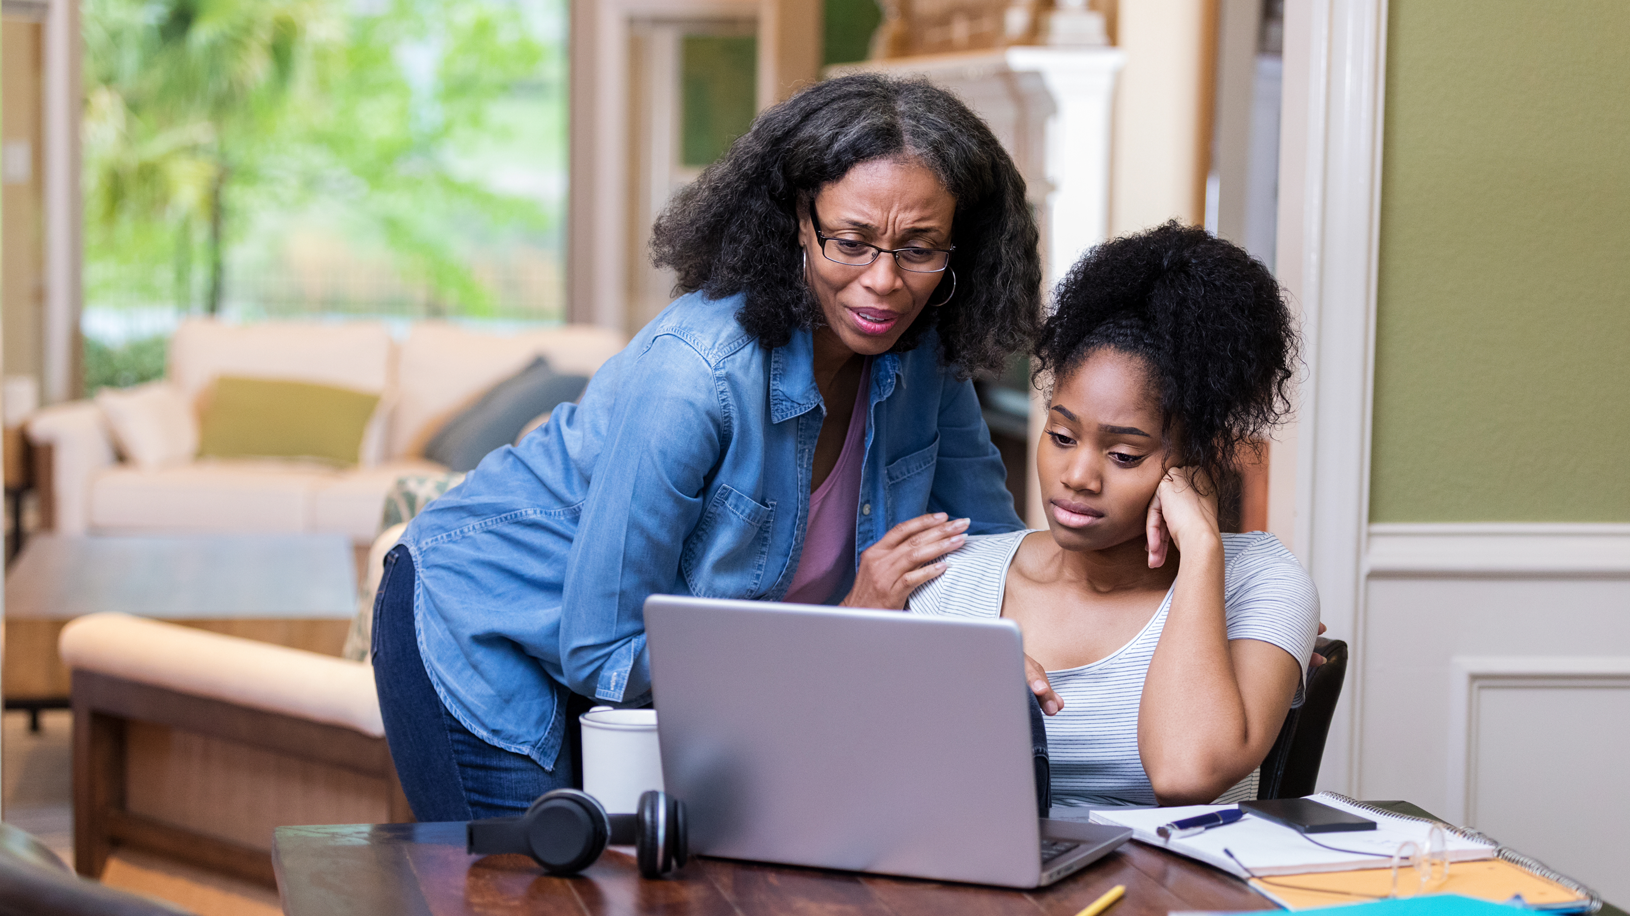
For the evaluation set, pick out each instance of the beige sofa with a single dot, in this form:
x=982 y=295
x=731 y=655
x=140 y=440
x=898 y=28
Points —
x=430 y=374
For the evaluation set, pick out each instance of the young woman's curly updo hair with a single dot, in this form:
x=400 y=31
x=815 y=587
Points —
x=735 y=229
x=1207 y=319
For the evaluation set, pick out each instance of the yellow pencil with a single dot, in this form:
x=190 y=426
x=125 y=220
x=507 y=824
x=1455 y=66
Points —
x=1104 y=902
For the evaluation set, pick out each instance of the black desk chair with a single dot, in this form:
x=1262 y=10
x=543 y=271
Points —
x=34 y=882
x=1292 y=766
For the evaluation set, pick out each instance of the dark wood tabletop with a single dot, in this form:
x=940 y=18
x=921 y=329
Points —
x=422 y=870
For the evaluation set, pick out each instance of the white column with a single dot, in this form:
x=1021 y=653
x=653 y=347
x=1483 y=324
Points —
x=1082 y=85
x=64 y=212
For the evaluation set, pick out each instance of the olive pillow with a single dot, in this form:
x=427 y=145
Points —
x=272 y=418
x=501 y=414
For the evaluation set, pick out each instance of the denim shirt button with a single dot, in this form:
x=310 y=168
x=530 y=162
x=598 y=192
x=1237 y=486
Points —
x=866 y=509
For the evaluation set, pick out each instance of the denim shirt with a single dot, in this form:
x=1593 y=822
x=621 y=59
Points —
x=684 y=469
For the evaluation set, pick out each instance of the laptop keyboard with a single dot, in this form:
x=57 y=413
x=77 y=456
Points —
x=1052 y=849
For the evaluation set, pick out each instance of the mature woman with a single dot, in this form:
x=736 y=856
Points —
x=798 y=426
x=1171 y=651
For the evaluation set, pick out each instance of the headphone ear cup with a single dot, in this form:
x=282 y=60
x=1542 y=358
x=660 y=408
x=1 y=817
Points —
x=678 y=834
x=661 y=842
x=566 y=830
x=651 y=835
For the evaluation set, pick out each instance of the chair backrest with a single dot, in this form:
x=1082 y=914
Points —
x=1292 y=766
x=34 y=882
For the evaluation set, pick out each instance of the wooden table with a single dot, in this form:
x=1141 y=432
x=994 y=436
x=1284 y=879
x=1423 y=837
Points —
x=295 y=590
x=422 y=870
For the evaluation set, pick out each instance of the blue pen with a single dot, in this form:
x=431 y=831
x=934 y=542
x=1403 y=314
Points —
x=1189 y=826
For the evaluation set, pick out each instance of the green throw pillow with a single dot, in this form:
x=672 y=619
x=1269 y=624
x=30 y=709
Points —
x=267 y=418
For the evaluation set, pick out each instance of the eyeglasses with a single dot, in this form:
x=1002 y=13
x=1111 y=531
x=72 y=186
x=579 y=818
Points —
x=855 y=253
x=1419 y=871
x=1417 y=868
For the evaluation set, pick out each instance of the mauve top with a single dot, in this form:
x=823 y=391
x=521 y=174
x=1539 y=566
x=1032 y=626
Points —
x=829 y=539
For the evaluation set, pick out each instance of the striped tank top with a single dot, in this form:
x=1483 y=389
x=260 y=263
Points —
x=1093 y=741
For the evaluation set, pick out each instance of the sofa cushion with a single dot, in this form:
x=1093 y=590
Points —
x=350 y=503
x=152 y=424
x=208 y=495
x=443 y=368
x=496 y=419
x=358 y=356
x=274 y=418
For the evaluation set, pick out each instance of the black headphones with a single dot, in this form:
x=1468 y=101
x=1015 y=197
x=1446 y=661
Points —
x=566 y=830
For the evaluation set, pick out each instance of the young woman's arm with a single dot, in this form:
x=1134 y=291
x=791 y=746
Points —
x=1211 y=706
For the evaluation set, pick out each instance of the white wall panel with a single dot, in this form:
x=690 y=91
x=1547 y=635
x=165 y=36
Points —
x=1414 y=627
x=1497 y=694
x=1546 y=770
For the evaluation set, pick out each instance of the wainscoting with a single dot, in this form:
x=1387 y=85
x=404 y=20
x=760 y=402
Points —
x=1494 y=685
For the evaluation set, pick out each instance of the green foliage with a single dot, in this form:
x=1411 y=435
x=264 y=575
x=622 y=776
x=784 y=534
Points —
x=128 y=364
x=205 y=118
x=178 y=92
x=382 y=137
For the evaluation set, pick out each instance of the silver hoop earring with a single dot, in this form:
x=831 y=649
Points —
x=935 y=305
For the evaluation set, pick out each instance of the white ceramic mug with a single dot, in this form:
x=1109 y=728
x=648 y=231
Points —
x=621 y=758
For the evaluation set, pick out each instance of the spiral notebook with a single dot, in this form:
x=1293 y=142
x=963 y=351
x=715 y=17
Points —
x=1273 y=852
x=1494 y=880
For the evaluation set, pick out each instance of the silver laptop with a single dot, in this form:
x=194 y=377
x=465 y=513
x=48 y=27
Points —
x=862 y=740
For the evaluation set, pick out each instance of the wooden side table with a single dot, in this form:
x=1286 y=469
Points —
x=19 y=479
x=296 y=590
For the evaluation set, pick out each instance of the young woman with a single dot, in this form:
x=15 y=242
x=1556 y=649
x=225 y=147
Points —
x=799 y=426
x=1171 y=652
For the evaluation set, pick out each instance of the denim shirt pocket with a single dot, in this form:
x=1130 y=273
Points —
x=907 y=482
x=726 y=553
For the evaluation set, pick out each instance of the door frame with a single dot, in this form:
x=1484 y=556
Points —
x=1329 y=237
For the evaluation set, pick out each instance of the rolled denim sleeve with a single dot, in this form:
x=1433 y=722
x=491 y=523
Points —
x=666 y=432
x=970 y=480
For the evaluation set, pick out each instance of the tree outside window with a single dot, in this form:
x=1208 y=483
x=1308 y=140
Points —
x=287 y=158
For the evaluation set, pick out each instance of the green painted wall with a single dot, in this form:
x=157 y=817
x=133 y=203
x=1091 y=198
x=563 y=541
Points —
x=1502 y=377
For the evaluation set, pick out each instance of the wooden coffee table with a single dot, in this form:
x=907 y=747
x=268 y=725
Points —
x=295 y=590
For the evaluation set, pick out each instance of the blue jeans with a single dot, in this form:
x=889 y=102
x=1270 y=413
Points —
x=447 y=773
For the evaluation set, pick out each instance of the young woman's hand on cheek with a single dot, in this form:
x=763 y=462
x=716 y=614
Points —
x=1036 y=676
x=1182 y=512
x=899 y=562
